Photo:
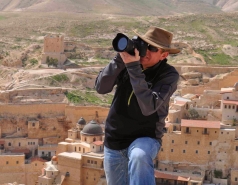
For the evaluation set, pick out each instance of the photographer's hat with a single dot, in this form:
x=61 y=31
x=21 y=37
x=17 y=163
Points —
x=159 y=38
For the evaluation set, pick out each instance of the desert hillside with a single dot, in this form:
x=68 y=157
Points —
x=121 y=7
x=204 y=39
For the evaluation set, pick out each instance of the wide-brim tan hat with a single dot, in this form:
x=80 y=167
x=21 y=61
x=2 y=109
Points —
x=159 y=38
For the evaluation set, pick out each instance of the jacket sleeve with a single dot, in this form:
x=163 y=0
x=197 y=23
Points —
x=107 y=77
x=150 y=100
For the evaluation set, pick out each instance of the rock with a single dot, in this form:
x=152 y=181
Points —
x=194 y=81
x=192 y=75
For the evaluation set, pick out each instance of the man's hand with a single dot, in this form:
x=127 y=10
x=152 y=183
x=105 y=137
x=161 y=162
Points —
x=127 y=58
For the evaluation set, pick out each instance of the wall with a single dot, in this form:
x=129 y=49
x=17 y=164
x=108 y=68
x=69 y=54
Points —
x=98 y=114
x=234 y=176
x=32 y=110
x=14 y=171
x=71 y=165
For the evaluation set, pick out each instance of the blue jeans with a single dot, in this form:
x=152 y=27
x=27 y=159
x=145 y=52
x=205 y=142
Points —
x=133 y=165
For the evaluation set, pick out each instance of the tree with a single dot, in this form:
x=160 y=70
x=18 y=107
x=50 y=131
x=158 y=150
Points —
x=51 y=61
x=193 y=114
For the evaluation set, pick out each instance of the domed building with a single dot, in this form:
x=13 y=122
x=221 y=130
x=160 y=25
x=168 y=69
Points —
x=50 y=173
x=81 y=123
x=92 y=132
x=83 y=150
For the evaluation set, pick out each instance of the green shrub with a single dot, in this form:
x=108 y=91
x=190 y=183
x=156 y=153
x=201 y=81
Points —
x=218 y=174
x=52 y=61
x=33 y=61
x=61 y=78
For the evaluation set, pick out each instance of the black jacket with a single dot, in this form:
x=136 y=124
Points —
x=140 y=103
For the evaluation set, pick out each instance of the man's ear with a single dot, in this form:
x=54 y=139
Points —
x=164 y=55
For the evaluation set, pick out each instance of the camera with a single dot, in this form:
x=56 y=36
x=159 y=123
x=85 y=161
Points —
x=122 y=43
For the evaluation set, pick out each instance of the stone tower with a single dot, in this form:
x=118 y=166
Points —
x=54 y=48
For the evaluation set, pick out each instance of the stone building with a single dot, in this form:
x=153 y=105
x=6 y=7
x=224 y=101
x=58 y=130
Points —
x=203 y=150
x=79 y=158
x=12 y=165
x=54 y=48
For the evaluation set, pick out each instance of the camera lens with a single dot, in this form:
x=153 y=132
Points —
x=122 y=43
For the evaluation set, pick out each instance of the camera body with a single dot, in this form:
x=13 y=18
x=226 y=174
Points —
x=121 y=43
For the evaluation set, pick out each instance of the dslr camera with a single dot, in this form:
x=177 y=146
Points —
x=122 y=43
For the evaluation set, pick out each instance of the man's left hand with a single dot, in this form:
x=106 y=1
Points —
x=127 y=58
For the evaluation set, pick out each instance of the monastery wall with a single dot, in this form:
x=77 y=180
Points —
x=186 y=147
x=32 y=110
x=74 y=113
x=33 y=170
x=234 y=175
x=71 y=165
x=12 y=168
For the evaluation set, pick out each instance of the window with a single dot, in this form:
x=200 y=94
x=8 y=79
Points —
x=236 y=179
x=221 y=132
x=17 y=162
x=174 y=128
x=95 y=162
x=88 y=161
x=19 y=144
x=35 y=164
x=225 y=106
x=9 y=144
x=196 y=151
x=162 y=149
x=236 y=148
x=79 y=148
x=198 y=142
x=184 y=151
x=186 y=142
x=172 y=141
x=7 y=162
x=172 y=150
x=210 y=143
x=187 y=129
x=208 y=152
x=33 y=124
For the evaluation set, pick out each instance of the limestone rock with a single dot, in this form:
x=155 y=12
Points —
x=192 y=75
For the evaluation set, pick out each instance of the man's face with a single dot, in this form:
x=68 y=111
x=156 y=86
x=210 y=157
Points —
x=152 y=57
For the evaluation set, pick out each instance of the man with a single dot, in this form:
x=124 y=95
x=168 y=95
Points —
x=134 y=126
